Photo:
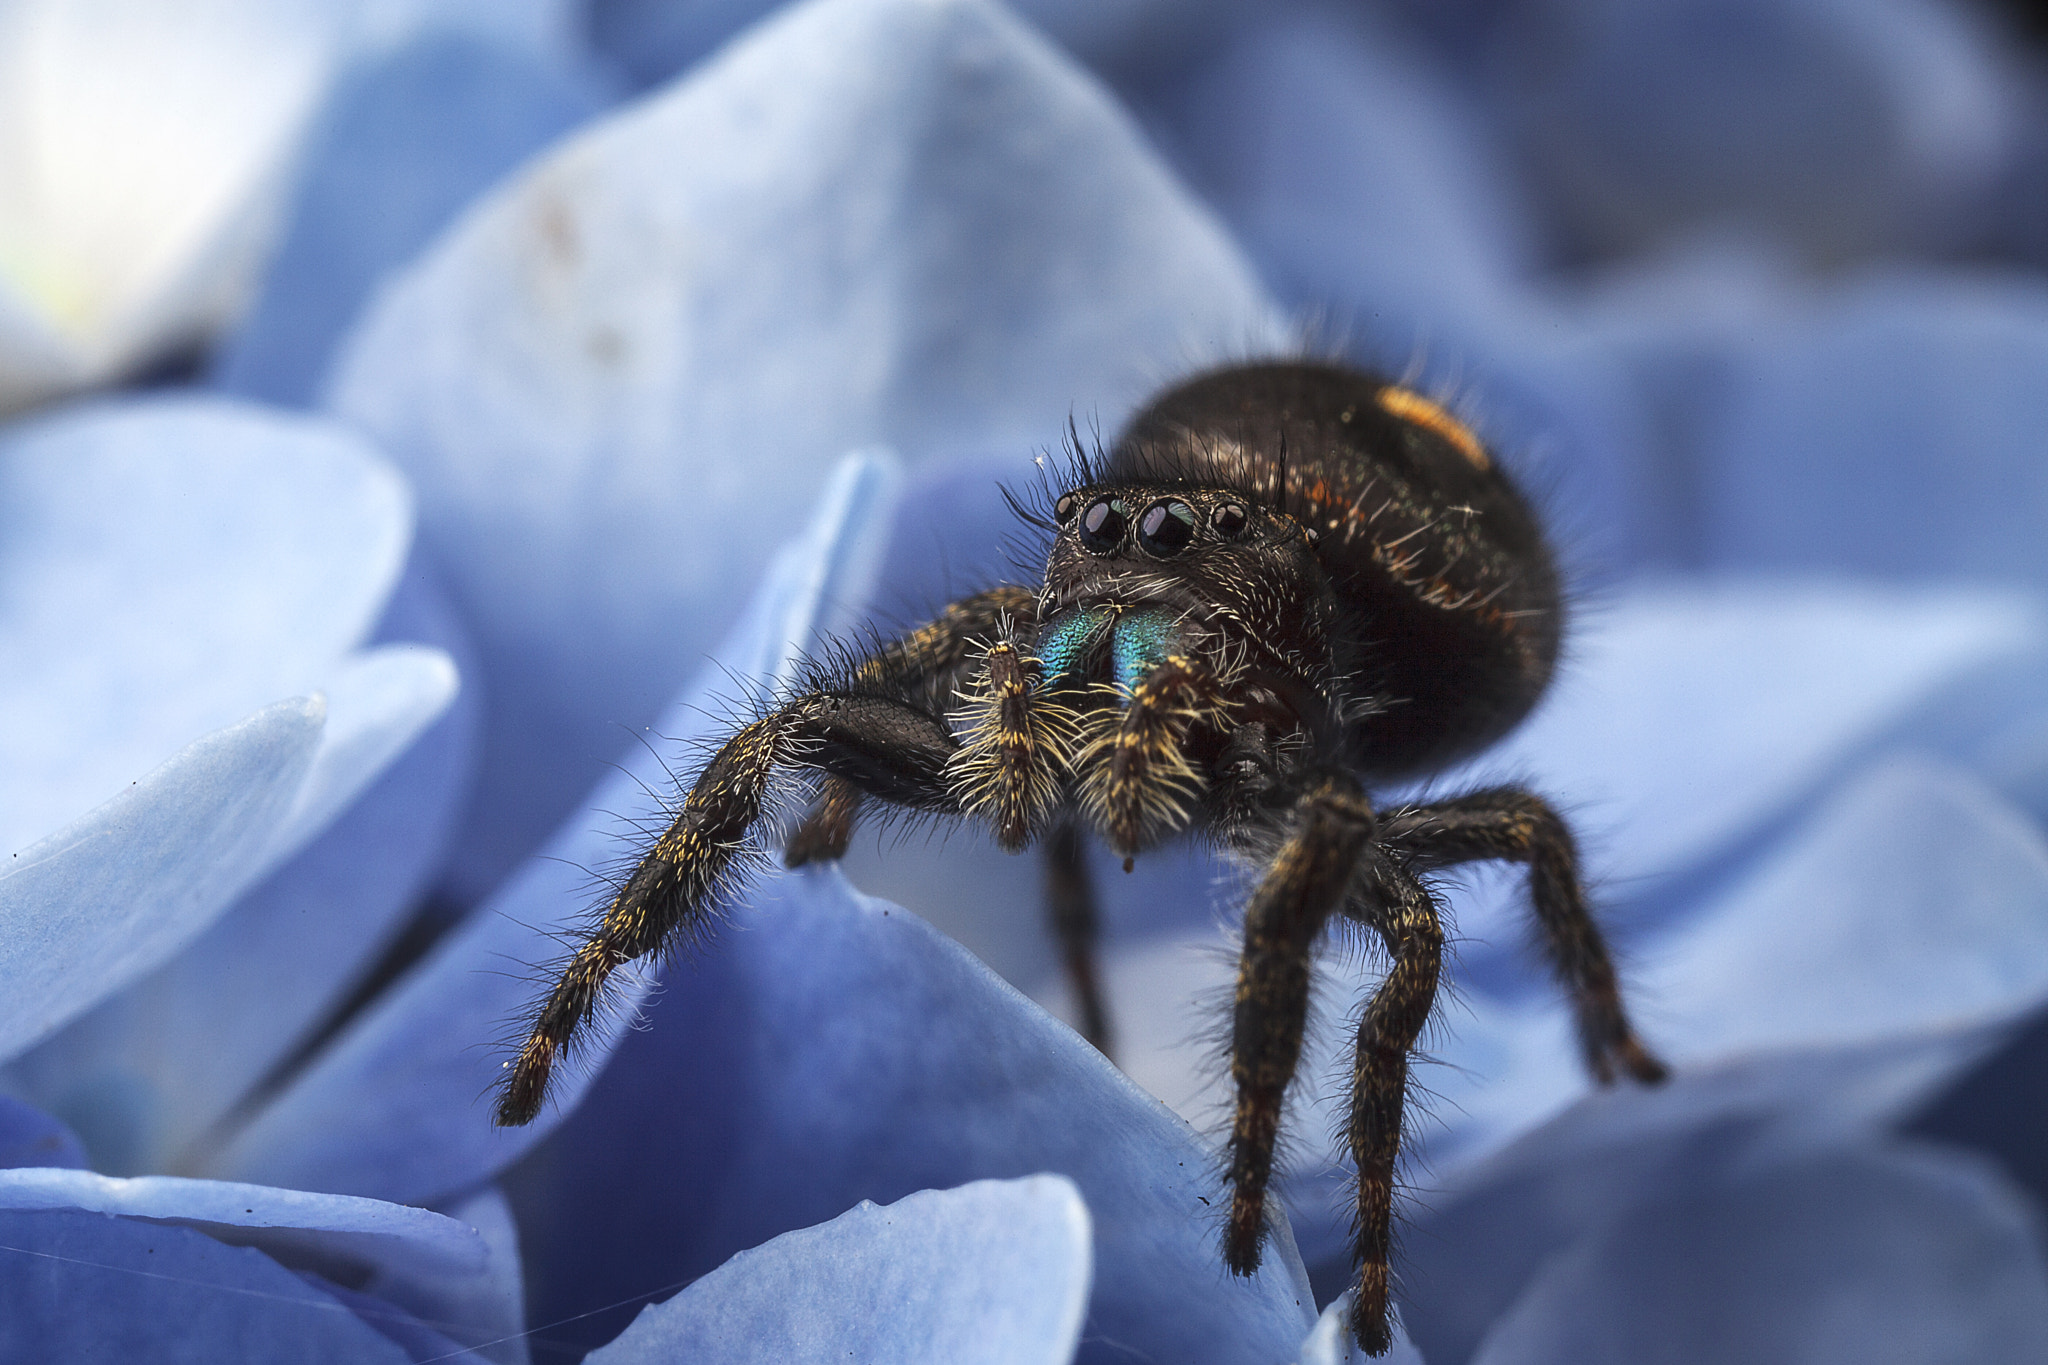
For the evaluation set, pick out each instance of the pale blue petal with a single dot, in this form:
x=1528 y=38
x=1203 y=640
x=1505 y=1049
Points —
x=29 y=1137
x=1478 y=1239
x=1331 y=1342
x=152 y=1070
x=993 y=1273
x=84 y=1287
x=1915 y=900
x=409 y=136
x=1356 y=173
x=1895 y=432
x=398 y=1106
x=421 y=1264
x=1913 y=903
x=1845 y=129
x=332 y=1234
x=1690 y=715
x=827 y=1049
x=617 y=380
x=121 y=889
x=1860 y=1257
x=167 y=566
x=492 y=1306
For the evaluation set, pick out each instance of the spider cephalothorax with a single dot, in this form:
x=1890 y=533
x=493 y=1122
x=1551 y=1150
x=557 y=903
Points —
x=1284 y=581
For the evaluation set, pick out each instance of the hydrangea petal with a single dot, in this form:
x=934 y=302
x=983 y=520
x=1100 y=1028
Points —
x=29 y=1137
x=1844 y=129
x=142 y=624
x=410 y=1262
x=395 y=1106
x=1877 y=1254
x=319 y=1232
x=1478 y=1243
x=82 y=1286
x=147 y=152
x=493 y=1305
x=672 y=324
x=1331 y=1344
x=1909 y=364
x=115 y=893
x=1914 y=900
x=992 y=1273
x=1688 y=715
x=151 y=1070
x=408 y=138
x=827 y=1049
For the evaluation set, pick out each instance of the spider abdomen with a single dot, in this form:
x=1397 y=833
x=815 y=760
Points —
x=1449 y=589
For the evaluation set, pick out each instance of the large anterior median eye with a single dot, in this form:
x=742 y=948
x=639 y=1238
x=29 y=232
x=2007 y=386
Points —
x=1103 y=525
x=1166 y=527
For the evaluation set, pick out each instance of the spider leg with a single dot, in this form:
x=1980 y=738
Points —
x=886 y=748
x=1072 y=902
x=1390 y=899
x=923 y=668
x=1020 y=742
x=1308 y=880
x=826 y=832
x=1139 y=784
x=1514 y=825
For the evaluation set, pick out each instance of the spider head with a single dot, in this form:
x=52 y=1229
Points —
x=1209 y=552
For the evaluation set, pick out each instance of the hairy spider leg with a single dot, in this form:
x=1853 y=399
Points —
x=1392 y=901
x=923 y=667
x=1307 y=882
x=1138 y=785
x=1071 y=894
x=886 y=748
x=1513 y=825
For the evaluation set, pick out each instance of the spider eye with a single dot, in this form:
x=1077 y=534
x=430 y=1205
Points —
x=1103 y=525
x=1230 y=520
x=1063 y=510
x=1166 y=527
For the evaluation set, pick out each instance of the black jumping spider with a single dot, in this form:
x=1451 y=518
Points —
x=1284 y=582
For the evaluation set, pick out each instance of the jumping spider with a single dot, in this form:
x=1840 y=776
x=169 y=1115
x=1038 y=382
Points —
x=1285 y=581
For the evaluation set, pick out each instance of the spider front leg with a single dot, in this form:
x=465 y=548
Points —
x=884 y=748
x=923 y=668
x=1514 y=825
x=1307 y=881
x=1072 y=899
x=1140 y=785
x=1393 y=902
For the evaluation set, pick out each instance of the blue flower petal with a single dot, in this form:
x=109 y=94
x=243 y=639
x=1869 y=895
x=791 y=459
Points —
x=1913 y=900
x=1845 y=130
x=426 y=1265
x=617 y=379
x=396 y=1107
x=1477 y=1244
x=1331 y=1342
x=408 y=137
x=1883 y=1253
x=172 y=565
x=1819 y=456
x=1689 y=716
x=319 y=1232
x=994 y=1273
x=84 y=1287
x=1356 y=173
x=118 y=891
x=29 y=1137
x=828 y=1049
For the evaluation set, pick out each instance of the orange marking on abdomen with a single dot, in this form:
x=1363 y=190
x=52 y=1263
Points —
x=1411 y=406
